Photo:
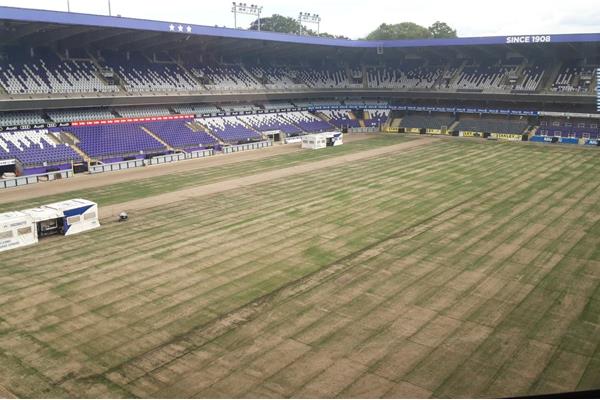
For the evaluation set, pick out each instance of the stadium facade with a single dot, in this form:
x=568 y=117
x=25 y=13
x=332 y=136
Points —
x=79 y=89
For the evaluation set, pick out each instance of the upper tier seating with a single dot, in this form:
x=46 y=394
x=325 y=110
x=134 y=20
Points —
x=276 y=77
x=179 y=135
x=483 y=77
x=143 y=111
x=270 y=122
x=410 y=75
x=492 y=125
x=532 y=77
x=308 y=122
x=323 y=78
x=116 y=140
x=80 y=115
x=226 y=77
x=341 y=118
x=569 y=79
x=426 y=121
x=34 y=148
x=140 y=75
x=46 y=73
x=21 y=118
x=229 y=129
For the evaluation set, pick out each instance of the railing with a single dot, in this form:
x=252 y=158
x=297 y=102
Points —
x=246 y=146
x=32 y=179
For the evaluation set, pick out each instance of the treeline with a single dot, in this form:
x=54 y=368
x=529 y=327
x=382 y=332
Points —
x=403 y=30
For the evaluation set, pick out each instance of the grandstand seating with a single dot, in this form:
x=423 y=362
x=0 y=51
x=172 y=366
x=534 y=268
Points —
x=142 y=111
x=35 y=148
x=322 y=78
x=276 y=77
x=179 y=135
x=140 y=75
x=115 y=141
x=483 y=77
x=79 y=115
x=532 y=77
x=21 y=118
x=226 y=77
x=569 y=79
x=409 y=76
x=278 y=105
x=376 y=117
x=308 y=122
x=45 y=73
x=492 y=125
x=229 y=129
x=270 y=122
x=197 y=109
x=340 y=118
x=579 y=128
x=426 y=121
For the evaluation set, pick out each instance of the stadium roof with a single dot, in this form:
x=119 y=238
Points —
x=89 y=22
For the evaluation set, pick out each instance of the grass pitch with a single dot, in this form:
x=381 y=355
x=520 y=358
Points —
x=460 y=268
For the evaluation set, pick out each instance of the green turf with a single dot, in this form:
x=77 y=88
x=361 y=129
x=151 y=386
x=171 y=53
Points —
x=456 y=269
x=121 y=192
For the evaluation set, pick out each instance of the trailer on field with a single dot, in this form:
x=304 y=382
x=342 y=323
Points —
x=16 y=230
x=26 y=227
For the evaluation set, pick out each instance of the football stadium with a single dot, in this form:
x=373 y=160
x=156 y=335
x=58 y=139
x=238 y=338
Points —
x=201 y=211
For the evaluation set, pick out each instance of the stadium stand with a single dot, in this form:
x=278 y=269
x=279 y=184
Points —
x=492 y=125
x=340 y=118
x=35 y=149
x=276 y=77
x=44 y=72
x=179 y=135
x=271 y=122
x=197 y=109
x=577 y=128
x=426 y=121
x=229 y=129
x=308 y=122
x=226 y=77
x=21 y=118
x=411 y=75
x=142 y=111
x=141 y=75
x=79 y=115
x=375 y=118
x=115 y=142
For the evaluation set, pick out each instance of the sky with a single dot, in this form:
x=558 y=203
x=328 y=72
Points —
x=356 y=18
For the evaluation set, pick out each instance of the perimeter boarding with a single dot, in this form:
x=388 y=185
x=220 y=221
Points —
x=26 y=227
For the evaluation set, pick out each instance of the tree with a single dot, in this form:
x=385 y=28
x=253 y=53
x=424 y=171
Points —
x=410 y=30
x=277 y=23
x=403 y=30
x=441 y=30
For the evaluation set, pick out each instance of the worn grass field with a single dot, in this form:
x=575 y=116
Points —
x=460 y=268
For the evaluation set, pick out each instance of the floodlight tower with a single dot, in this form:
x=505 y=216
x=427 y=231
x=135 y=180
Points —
x=243 y=8
x=311 y=19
